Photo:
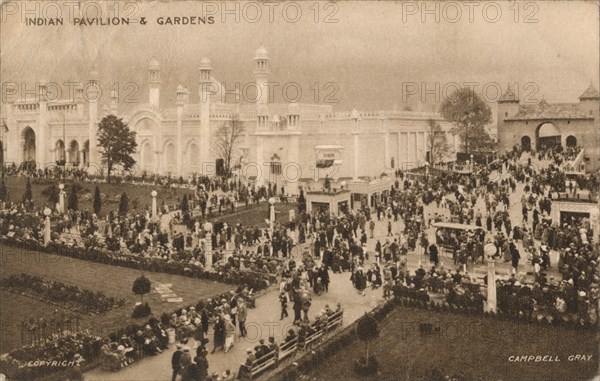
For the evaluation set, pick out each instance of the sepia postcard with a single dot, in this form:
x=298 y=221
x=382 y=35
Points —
x=299 y=190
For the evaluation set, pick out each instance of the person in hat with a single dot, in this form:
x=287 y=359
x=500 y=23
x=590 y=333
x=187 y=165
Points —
x=219 y=334
x=229 y=333
x=175 y=361
x=185 y=363
x=75 y=373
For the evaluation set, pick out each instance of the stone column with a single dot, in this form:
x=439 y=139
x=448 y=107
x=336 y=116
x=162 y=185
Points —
x=47 y=235
x=386 y=144
x=154 y=206
x=292 y=177
x=261 y=171
x=491 y=287
x=208 y=246
x=61 y=198
x=355 y=156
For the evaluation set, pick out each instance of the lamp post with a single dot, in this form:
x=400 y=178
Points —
x=471 y=163
x=154 y=208
x=208 y=227
x=271 y=216
x=61 y=198
x=47 y=212
x=490 y=251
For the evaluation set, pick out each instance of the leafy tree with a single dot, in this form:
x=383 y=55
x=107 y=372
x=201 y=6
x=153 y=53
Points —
x=470 y=114
x=73 y=201
x=185 y=206
x=301 y=201
x=141 y=286
x=367 y=330
x=28 y=195
x=436 y=143
x=123 y=204
x=97 y=201
x=117 y=143
x=3 y=190
x=226 y=139
x=52 y=193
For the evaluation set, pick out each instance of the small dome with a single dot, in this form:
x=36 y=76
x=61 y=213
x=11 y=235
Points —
x=179 y=89
x=205 y=64
x=261 y=53
x=153 y=65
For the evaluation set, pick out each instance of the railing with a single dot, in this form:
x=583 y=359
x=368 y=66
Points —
x=290 y=347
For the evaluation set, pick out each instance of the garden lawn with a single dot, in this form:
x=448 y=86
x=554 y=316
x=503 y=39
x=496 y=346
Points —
x=15 y=308
x=110 y=192
x=476 y=347
x=112 y=280
x=255 y=215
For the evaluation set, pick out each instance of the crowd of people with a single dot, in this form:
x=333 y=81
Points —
x=563 y=290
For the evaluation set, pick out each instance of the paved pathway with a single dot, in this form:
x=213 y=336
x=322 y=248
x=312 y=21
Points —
x=264 y=320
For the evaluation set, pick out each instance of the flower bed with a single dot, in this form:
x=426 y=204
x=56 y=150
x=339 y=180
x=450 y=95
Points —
x=73 y=297
x=58 y=352
x=57 y=355
x=229 y=275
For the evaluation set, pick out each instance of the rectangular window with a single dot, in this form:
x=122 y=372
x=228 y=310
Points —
x=276 y=168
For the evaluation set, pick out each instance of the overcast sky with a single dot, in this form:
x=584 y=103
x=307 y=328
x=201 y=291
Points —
x=369 y=53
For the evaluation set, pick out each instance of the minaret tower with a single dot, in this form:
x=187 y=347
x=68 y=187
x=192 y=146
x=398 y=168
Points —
x=205 y=93
x=93 y=93
x=154 y=83
x=261 y=75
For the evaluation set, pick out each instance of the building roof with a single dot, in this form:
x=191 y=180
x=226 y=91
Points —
x=508 y=96
x=545 y=110
x=590 y=93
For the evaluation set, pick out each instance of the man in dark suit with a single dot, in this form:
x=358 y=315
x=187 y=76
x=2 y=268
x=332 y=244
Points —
x=175 y=362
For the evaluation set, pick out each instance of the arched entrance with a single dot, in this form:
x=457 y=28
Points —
x=275 y=172
x=571 y=141
x=28 y=144
x=147 y=157
x=170 y=159
x=86 y=153
x=192 y=159
x=548 y=137
x=59 y=152
x=526 y=143
x=74 y=153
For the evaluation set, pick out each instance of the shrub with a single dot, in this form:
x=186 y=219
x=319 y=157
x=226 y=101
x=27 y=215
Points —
x=97 y=201
x=367 y=330
x=141 y=286
x=141 y=310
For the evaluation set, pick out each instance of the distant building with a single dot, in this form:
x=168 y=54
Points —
x=283 y=143
x=547 y=125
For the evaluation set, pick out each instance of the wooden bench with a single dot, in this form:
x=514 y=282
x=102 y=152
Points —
x=288 y=348
x=247 y=372
x=334 y=321
x=310 y=338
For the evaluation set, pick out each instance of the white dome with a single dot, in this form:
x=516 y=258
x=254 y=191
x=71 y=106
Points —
x=153 y=65
x=205 y=64
x=261 y=53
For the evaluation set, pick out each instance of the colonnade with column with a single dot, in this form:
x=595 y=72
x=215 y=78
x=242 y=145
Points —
x=412 y=149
